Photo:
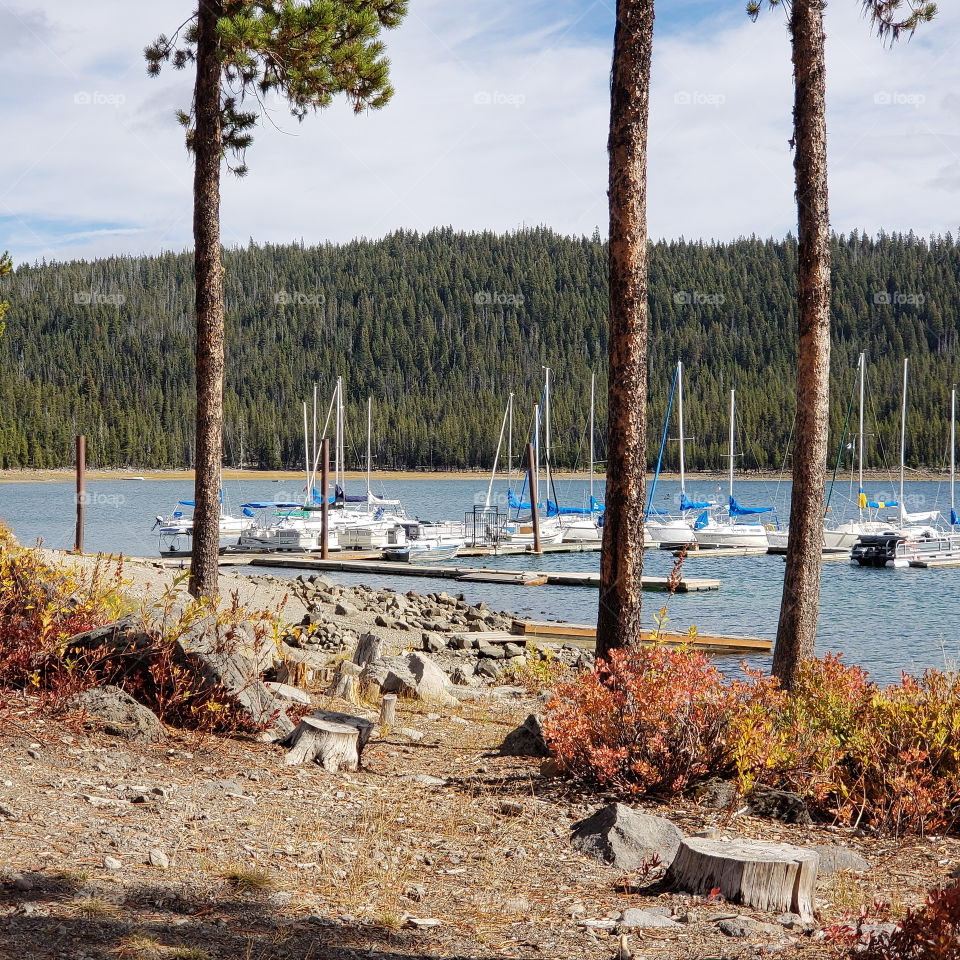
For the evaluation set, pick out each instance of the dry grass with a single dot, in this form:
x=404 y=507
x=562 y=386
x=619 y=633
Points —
x=94 y=908
x=142 y=947
x=248 y=879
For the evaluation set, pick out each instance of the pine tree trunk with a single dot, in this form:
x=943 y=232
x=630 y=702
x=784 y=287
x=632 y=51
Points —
x=621 y=563
x=797 y=630
x=208 y=150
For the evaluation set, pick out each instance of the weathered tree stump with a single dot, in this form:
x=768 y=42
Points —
x=388 y=710
x=345 y=682
x=768 y=876
x=334 y=740
x=368 y=649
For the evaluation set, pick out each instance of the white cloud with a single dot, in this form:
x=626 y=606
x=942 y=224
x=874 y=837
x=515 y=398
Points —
x=499 y=121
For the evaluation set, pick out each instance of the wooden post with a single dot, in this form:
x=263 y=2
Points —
x=533 y=484
x=325 y=505
x=388 y=710
x=81 y=493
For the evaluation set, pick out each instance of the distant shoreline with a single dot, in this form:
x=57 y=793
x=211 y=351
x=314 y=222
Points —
x=64 y=474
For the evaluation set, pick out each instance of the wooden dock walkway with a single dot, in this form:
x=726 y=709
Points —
x=581 y=632
x=473 y=574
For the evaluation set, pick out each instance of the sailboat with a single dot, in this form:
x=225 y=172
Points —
x=667 y=531
x=175 y=530
x=735 y=530
x=584 y=525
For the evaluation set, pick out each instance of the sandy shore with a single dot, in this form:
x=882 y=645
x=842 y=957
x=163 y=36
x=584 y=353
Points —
x=62 y=474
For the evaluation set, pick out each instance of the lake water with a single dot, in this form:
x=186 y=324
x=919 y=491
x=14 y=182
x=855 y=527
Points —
x=886 y=620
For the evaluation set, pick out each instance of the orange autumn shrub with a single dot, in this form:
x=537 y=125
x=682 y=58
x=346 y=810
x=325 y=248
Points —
x=652 y=720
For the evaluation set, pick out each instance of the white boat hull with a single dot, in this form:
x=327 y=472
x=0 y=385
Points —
x=732 y=535
x=582 y=531
x=670 y=533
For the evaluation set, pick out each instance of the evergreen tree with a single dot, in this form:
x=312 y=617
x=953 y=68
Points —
x=621 y=560
x=244 y=50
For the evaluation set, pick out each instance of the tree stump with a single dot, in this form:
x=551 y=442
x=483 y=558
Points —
x=768 y=876
x=334 y=740
x=368 y=649
x=345 y=682
x=388 y=710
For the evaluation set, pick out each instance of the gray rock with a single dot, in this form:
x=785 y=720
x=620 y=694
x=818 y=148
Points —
x=526 y=740
x=488 y=669
x=494 y=651
x=433 y=643
x=743 y=926
x=717 y=794
x=223 y=659
x=157 y=858
x=626 y=838
x=112 y=863
x=22 y=883
x=513 y=650
x=122 y=716
x=780 y=805
x=386 y=622
x=412 y=675
x=343 y=609
x=834 y=858
x=635 y=919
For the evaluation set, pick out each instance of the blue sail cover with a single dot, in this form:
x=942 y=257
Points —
x=954 y=519
x=341 y=497
x=701 y=521
x=553 y=510
x=595 y=504
x=514 y=504
x=737 y=511
x=688 y=504
x=270 y=505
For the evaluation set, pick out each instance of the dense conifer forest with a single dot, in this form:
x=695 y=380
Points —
x=440 y=327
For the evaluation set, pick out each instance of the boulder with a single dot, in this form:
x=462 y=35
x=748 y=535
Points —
x=220 y=658
x=122 y=716
x=526 y=740
x=780 y=805
x=636 y=919
x=834 y=858
x=412 y=675
x=626 y=838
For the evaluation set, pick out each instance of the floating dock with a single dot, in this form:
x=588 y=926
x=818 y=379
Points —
x=473 y=574
x=586 y=634
x=697 y=552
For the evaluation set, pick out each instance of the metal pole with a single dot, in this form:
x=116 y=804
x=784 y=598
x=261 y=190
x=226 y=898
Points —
x=81 y=493
x=953 y=450
x=860 y=497
x=683 y=486
x=533 y=483
x=733 y=394
x=325 y=498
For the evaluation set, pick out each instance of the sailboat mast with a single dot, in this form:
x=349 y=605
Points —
x=510 y=442
x=496 y=457
x=315 y=453
x=306 y=450
x=683 y=486
x=733 y=394
x=593 y=385
x=953 y=450
x=903 y=431
x=536 y=451
x=546 y=426
x=369 y=433
x=863 y=358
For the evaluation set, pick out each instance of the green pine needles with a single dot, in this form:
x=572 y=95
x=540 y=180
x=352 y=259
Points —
x=302 y=53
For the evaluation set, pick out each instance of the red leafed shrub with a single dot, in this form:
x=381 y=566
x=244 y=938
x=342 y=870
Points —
x=652 y=720
x=930 y=933
x=41 y=606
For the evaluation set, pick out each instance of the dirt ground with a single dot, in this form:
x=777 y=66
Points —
x=208 y=847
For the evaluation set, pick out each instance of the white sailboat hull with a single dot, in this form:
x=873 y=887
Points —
x=716 y=534
x=585 y=530
x=670 y=533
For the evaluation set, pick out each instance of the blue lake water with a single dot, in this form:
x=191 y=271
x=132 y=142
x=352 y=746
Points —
x=886 y=620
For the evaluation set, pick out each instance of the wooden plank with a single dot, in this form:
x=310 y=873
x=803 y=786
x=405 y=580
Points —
x=723 y=552
x=585 y=632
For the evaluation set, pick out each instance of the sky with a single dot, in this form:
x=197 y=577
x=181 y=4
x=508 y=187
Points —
x=499 y=122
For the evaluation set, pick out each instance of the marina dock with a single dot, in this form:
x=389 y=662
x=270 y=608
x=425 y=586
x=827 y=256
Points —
x=471 y=574
x=584 y=633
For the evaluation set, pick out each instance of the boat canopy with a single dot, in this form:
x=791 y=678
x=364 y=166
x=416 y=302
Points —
x=269 y=505
x=954 y=519
x=736 y=510
x=701 y=521
x=687 y=504
x=556 y=511
x=863 y=502
x=514 y=504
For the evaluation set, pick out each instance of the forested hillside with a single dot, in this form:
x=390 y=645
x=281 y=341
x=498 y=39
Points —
x=439 y=328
